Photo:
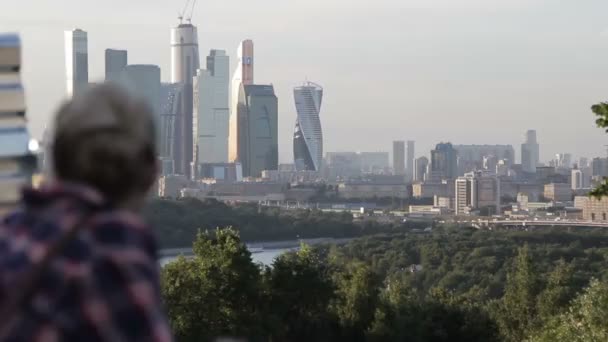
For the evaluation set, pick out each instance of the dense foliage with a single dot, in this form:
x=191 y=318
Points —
x=448 y=285
x=176 y=223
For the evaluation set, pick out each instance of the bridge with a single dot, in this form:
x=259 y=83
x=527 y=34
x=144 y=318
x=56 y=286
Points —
x=540 y=223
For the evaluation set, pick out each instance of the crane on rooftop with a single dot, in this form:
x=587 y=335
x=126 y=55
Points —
x=183 y=14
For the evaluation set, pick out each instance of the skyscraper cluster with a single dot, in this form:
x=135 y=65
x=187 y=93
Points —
x=204 y=118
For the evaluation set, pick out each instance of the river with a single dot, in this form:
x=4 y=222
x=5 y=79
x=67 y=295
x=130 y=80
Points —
x=261 y=252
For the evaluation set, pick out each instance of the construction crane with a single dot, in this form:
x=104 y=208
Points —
x=183 y=13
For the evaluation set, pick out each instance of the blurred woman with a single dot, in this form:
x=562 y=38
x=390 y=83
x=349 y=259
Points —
x=77 y=263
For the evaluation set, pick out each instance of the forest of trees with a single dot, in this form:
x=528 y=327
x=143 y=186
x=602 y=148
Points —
x=176 y=222
x=449 y=285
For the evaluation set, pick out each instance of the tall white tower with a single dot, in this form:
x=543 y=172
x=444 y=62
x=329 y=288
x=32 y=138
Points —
x=76 y=61
x=184 y=63
x=211 y=114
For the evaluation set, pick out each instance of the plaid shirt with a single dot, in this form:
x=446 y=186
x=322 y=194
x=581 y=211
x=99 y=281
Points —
x=104 y=286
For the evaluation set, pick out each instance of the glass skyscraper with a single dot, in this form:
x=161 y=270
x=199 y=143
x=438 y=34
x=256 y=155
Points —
x=76 y=61
x=308 y=135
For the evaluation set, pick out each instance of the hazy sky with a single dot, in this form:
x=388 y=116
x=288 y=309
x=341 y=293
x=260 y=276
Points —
x=465 y=71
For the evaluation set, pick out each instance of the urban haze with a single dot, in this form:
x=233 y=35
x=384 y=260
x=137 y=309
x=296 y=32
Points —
x=468 y=72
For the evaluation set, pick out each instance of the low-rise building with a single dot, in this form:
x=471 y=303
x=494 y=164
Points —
x=349 y=190
x=593 y=209
x=558 y=192
x=430 y=190
x=170 y=186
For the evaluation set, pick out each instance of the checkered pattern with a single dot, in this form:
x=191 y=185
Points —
x=103 y=287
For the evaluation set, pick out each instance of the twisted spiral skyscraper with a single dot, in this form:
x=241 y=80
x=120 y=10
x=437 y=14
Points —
x=308 y=135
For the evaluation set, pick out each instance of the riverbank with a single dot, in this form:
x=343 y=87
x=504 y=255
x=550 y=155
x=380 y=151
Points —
x=265 y=245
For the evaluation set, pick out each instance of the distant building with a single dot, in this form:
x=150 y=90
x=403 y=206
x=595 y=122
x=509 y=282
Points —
x=530 y=154
x=430 y=190
x=593 y=209
x=577 y=179
x=411 y=153
x=76 y=61
x=558 y=192
x=171 y=186
x=367 y=190
x=399 y=158
x=291 y=177
x=477 y=190
x=221 y=172
x=342 y=165
x=116 y=61
x=599 y=167
x=243 y=75
x=444 y=161
x=374 y=162
x=308 y=134
x=563 y=160
x=170 y=108
x=211 y=113
x=144 y=81
x=420 y=168
x=472 y=157
x=256 y=135
x=185 y=61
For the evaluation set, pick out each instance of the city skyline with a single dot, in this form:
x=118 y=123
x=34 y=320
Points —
x=519 y=80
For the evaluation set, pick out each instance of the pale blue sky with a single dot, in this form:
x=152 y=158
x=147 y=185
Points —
x=466 y=71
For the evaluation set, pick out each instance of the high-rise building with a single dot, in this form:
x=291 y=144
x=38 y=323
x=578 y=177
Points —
x=170 y=104
x=420 y=168
x=76 y=61
x=471 y=157
x=143 y=80
x=399 y=158
x=243 y=75
x=563 y=160
x=530 y=153
x=116 y=61
x=184 y=63
x=577 y=179
x=411 y=146
x=308 y=134
x=211 y=112
x=444 y=162
x=256 y=137
x=599 y=167
x=477 y=190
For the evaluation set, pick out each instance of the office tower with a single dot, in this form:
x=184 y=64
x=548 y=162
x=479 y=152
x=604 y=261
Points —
x=490 y=163
x=410 y=159
x=256 y=136
x=243 y=75
x=399 y=158
x=444 y=162
x=420 y=167
x=184 y=63
x=576 y=179
x=76 y=61
x=211 y=113
x=116 y=61
x=583 y=162
x=471 y=157
x=170 y=108
x=144 y=81
x=563 y=160
x=477 y=190
x=530 y=153
x=599 y=167
x=308 y=134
